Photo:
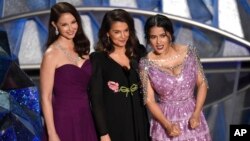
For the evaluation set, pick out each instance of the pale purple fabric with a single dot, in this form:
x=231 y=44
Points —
x=176 y=99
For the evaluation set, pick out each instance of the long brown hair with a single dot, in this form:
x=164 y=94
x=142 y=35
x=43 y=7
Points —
x=109 y=18
x=82 y=44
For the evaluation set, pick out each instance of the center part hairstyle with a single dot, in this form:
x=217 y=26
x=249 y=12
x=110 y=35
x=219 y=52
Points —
x=159 y=21
x=81 y=42
x=105 y=44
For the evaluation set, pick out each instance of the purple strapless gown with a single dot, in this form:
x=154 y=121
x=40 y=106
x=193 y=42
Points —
x=176 y=99
x=71 y=108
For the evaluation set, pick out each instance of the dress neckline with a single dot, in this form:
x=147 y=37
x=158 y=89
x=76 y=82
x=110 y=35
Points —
x=73 y=65
x=123 y=67
x=160 y=68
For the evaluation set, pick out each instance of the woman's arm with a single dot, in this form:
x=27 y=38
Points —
x=46 y=85
x=201 y=93
x=172 y=129
x=96 y=96
x=149 y=99
x=202 y=86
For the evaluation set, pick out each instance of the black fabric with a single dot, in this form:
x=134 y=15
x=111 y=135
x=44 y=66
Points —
x=122 y=115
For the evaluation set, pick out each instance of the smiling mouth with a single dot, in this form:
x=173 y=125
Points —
x=71 y=33
x=159 y=47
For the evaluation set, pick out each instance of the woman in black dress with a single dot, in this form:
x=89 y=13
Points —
x=117 y=103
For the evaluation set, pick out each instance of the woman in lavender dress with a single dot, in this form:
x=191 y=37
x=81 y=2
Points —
x=170 y=73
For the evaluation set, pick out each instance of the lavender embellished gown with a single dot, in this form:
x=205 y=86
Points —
x=175 y=97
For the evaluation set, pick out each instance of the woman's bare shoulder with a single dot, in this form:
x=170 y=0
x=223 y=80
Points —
x=181 y=47
x=51 y=55
x=150 y=55
x=50 y=50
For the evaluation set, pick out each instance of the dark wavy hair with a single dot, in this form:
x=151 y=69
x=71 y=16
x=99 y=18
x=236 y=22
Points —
x=159 y=21
x=117 y=15
x=82 y=43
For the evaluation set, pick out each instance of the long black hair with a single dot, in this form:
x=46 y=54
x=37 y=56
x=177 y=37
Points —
x=117 y=15
x=82 y=43
x=159 y=21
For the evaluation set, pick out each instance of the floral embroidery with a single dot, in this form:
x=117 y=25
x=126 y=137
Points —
x=114 y=86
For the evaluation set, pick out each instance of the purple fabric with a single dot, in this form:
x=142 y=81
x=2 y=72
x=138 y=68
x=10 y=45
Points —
x=176 y=99
x=71 y=108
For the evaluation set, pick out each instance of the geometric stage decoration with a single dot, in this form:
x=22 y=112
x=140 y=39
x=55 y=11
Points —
x=20 y=115
x=20 y=112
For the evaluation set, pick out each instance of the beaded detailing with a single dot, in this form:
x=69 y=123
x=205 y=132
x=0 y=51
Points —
x=164 y=68
x=69 y=56
x=162 y=62
x=143 y=72
x=167 y=59
x=168 y=67
x=200 y=67
x=145 y=63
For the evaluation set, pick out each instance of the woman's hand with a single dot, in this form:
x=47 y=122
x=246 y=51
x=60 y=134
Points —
x=194 y=121
x=105 y=138
x=174 y=130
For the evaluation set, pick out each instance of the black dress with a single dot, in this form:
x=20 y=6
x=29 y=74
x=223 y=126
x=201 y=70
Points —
x=117 y=103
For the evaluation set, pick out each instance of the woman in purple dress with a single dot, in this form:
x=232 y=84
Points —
x=170 y=73
x=64 y=76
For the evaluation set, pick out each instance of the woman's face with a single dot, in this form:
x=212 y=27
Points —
x=159 y=40
x=67 y=26
x=119 y=34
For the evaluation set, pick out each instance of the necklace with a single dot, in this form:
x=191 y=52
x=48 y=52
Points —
x=167 y=59
x=69 y=56
x=162 y=62
x=173 y=67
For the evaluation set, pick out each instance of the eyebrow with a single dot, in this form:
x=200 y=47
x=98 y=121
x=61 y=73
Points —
x=120 y=30
x=158 y=34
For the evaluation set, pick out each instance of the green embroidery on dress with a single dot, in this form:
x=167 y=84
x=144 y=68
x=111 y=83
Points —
x=127 y=90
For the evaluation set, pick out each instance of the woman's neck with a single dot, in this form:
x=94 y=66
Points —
x=119 y=50
x=65 y=42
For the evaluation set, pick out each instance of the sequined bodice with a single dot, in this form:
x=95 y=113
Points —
x=170 y=87
x=175 y=96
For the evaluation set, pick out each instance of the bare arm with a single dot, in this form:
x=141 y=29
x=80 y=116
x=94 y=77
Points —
x=201 y=93
x=202 y=87
x=172 y=129
x=46 y=85
x=153 y=107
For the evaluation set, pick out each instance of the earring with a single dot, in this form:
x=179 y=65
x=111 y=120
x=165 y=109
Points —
x=56 y=31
